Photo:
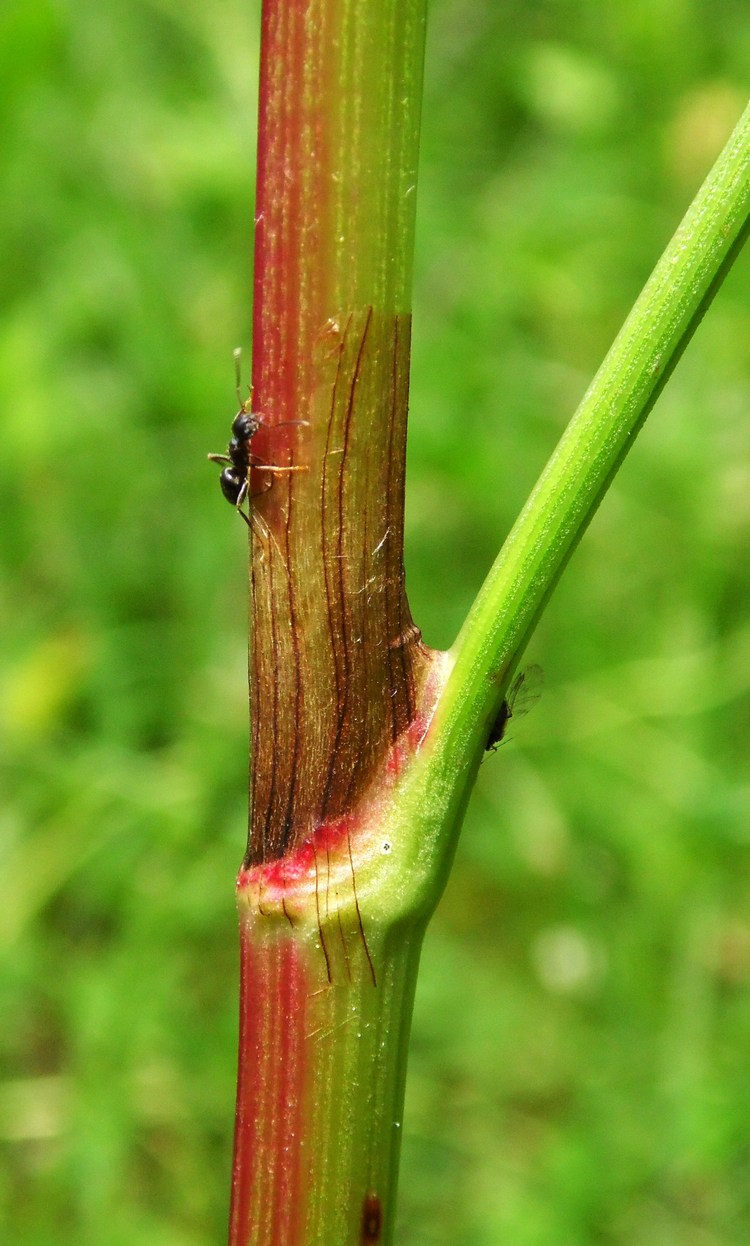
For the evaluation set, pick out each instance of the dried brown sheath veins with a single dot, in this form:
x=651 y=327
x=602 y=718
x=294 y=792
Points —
x=336 y=661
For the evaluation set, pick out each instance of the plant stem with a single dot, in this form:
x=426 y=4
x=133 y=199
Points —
x=365 y=744
x=338 y=672
x=428 y=809
x=321 y=1084
x=592 y=449
x=336 y=663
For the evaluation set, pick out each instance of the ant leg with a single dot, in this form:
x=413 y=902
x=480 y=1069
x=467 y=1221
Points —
x=246 y=404
x=259 y=526
x=265 y=536
x=242 y=493
x=219 y=458
x=237 y=375
x=276 y=471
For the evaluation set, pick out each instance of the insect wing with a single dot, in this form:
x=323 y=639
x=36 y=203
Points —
x=525 y=691
x=523 y=694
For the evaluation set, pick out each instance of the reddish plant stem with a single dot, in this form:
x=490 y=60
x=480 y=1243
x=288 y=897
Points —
x=336 y=662
x=266 y=1125
x=337 y=668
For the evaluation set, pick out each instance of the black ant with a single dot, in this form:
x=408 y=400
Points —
x=518 y=701
x=234 y=479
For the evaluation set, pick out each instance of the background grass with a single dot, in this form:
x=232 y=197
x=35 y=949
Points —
x=579 y=1072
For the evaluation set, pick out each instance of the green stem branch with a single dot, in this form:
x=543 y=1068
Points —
x=593 y=447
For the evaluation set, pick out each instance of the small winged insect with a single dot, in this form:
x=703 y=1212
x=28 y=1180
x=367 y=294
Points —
x=523 y=694
x=234 y=479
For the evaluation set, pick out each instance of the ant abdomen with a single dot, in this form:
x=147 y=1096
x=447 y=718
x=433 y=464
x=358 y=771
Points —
x=232 y=485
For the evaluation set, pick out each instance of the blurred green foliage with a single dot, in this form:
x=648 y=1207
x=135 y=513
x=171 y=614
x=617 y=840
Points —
x=581 y=1039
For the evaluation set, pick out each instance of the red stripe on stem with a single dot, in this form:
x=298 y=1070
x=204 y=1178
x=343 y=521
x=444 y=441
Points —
x=267 y=1189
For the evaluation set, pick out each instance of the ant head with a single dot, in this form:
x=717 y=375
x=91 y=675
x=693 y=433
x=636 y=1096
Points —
x=245 y=424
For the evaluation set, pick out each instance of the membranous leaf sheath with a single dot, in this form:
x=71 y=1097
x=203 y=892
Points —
x=336 y=662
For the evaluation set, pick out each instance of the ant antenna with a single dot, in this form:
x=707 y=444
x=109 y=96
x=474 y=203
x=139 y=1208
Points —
x=237 y=374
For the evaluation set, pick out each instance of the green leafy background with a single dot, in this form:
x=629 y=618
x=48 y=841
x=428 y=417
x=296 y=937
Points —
x=581 y=1043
